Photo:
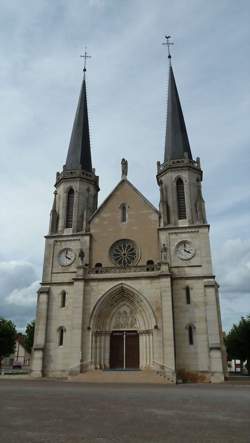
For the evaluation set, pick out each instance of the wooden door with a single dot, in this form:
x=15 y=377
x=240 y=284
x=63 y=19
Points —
x=132 y=350
x=117 y=350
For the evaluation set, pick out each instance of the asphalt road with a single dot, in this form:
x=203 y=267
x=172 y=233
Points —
x=62 y=412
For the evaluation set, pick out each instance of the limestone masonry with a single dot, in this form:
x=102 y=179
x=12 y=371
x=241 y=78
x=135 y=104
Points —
x=125 y=285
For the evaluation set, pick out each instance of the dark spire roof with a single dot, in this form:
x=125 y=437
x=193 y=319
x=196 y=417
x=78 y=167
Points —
x=176 y=143
x=79 y=153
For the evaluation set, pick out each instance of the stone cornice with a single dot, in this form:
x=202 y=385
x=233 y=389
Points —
x=74 y=235
x=77 y=174
x=179 y=164
x=187 y=228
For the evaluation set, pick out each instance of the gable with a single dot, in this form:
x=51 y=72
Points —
x=123 y=184
x=106 y=225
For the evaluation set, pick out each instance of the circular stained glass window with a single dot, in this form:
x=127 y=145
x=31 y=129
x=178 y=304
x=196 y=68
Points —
x=124 y=253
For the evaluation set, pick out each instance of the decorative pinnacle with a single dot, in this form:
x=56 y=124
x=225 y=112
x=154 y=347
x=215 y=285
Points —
x=168 y=44
x=85 y=56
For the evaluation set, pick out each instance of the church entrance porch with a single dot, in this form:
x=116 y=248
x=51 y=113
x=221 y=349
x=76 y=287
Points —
x=122 y=330
x=124 y=350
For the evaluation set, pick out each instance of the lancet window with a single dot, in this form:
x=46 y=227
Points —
x=63 y=299
x=70 y=208
x=181 y=204
x=191 y=334
x=124 y=213
x=61 y=332
x=188 y=297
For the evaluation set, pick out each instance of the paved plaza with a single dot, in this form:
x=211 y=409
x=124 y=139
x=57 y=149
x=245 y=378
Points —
x=42 y=411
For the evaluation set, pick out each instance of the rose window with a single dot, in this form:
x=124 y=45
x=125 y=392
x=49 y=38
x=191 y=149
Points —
x=124 y=253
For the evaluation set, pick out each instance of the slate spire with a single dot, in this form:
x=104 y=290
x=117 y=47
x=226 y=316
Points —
x=79 y=152
x=176 y=142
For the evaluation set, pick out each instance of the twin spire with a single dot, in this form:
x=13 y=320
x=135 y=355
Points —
x=176 y=141
x=79 y=152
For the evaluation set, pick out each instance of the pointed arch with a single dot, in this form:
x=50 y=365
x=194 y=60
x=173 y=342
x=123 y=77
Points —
x=114 y=300
x=121 y=308
x=181 y=204
x=70 y=208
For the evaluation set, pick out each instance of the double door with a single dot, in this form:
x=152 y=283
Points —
x=124 y=350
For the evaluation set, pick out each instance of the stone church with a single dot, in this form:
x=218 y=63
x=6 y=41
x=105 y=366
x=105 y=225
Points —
x=127 y=286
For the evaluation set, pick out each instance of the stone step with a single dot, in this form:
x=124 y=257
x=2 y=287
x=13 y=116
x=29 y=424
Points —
x=99 y=376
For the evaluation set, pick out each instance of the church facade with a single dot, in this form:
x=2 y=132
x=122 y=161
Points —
x=125 y=285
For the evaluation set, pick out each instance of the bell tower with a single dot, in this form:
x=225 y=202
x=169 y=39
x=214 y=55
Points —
x=76 y=186
x=184 y=238
x=179 y=177
x=58 y=332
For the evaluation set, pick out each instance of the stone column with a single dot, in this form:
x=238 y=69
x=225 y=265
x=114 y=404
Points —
x=168 y=352
x=86 y=331
x=214 y=332
x=77 y=331
x=37 y=364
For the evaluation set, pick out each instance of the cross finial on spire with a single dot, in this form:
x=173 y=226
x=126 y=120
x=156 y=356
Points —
x=85 y=56
x=168 y=44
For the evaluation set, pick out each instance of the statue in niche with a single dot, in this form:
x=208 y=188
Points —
x=124 y=164
x=164 y=253
x=81 y=256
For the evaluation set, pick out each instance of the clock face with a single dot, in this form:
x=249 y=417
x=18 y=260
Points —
x=66 y=257
x=185 y=250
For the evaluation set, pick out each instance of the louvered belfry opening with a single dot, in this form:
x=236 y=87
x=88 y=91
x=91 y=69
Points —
x=70 y=208
x=181 y=199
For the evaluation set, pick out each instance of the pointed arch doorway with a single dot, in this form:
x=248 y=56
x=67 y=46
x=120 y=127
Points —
x=122 y=324
x=124 y=350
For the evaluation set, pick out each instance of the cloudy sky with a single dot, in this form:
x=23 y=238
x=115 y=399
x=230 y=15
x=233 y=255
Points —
x=40 y=76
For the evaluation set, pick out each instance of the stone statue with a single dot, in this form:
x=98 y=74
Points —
x=164 y=253
x=124 y=164
x=81 y=256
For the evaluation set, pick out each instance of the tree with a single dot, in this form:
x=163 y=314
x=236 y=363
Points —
x=7 y=338
x=237 y=342
x=29 y=336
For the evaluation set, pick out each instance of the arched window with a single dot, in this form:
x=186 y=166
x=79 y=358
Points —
x=181 y=205
x=70 y=208
x=61 y=332
x=124 y=213
x=150 y=266
x=98 y=268
x=188 y=298
x=63 y=299
x=190 y=335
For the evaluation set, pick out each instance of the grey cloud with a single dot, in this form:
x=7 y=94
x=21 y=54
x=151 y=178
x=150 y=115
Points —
x=18 y=287
x=40 y=74
x=15 y=275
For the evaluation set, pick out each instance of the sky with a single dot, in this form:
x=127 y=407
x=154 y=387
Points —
x=40 y=77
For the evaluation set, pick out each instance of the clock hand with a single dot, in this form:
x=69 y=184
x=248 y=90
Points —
x=186 y=250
